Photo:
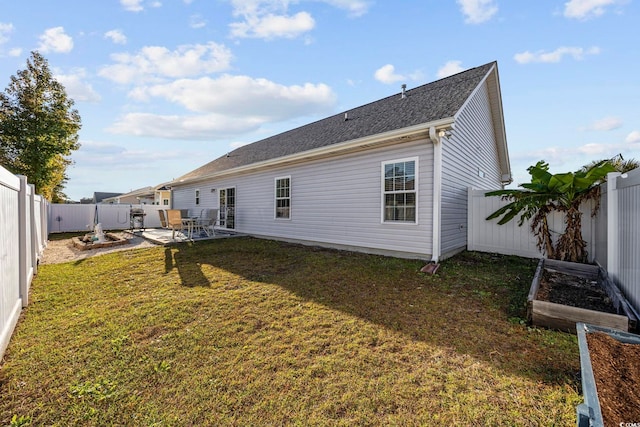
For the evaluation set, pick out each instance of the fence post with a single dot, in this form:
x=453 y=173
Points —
x=35 y=253
x=23 y=242
x=44 y=222
x=613 y=238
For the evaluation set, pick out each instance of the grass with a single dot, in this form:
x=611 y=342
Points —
x=255 y=332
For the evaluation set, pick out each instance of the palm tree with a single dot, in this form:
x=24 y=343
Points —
x=547 y=193
x=621 y=165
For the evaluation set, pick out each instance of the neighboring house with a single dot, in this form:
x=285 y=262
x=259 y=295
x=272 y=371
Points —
x=142 y=196
x=387 y=177
x=98 y=196
x=162 y=195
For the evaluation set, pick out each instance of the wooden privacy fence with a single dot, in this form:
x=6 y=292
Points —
x=23 y=237
x=613 y=236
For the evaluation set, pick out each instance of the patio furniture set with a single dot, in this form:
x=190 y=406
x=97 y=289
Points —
x=189 y=222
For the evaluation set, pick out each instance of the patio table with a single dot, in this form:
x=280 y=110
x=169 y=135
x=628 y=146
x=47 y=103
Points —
x=192 y=224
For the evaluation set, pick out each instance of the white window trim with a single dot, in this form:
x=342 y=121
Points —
x=416 y=190
x=197 y=196
x=275 y=198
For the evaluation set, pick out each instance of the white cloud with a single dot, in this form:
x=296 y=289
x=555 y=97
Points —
x=576 y=53
x=153 y=62
x=270 y=19
x=116 y=36
x=585 y=9
x=478 y=11
x=15 y=52
x=76 y=86
x=272 y=26
x=197 y=21
x=132 y=5
x=203 y=127
x=387 y=74
x=55 y=40
x=355 y=7
x=572 y=158
x=605 y=124
x=450 y=68
x=242 y=96
x=226 y=106
x=96 y=155
x=595 y=150
x=5 y=30
x=633 y=137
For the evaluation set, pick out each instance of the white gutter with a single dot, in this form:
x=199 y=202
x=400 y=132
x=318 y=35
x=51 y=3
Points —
x=353 y=145
x=437 y=192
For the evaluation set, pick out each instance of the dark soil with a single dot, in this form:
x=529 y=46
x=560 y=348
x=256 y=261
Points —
x=574 y=291
x=617 y=374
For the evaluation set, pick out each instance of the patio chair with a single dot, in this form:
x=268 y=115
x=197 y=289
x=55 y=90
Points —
x=174 y=222
x=208 y=220
x=163 y=219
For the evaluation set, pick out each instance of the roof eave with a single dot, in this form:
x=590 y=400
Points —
x=391 y=137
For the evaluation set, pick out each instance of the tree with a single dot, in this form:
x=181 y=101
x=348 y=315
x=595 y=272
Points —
x=38 y=127
x=547 y=193
x=621 y=165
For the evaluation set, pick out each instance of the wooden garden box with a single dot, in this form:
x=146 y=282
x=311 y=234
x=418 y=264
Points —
x=564 y=317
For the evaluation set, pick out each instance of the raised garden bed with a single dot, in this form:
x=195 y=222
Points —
x=610 y=376
x=564 y=293
x=86 y=242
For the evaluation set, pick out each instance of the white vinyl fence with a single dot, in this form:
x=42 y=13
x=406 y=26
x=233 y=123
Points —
x=613 y=236
x=618 y=233
x=23 y=226
x=510 y=239
x=74 y=217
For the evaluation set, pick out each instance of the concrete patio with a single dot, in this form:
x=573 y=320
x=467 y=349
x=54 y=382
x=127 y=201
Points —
x=163 y=236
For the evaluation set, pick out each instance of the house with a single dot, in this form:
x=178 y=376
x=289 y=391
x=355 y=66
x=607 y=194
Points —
x=99 y=196
x=388 y=177
x=140 y=196
x=158 y=195
x=162 y=195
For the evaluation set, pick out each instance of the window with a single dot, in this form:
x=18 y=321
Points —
x=399 y=191
x=165 y=202
x=283 y=197
x=197 y=197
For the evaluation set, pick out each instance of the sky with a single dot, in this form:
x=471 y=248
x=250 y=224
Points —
x=165 y=86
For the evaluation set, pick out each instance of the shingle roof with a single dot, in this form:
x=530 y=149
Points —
x=99 y=196
x=423 y=104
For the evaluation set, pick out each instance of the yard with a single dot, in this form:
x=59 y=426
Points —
x=255 y=332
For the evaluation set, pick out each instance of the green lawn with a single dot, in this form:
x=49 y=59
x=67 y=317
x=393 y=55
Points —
x=253 y=332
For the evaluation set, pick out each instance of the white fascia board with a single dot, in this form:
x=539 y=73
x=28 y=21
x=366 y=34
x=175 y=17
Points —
x=497 y=118
x=332 y=149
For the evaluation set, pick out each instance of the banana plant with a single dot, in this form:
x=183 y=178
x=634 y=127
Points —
x=548 y=193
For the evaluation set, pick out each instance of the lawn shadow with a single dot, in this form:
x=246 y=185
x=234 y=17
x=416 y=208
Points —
x=474 y=305
x=189 y=269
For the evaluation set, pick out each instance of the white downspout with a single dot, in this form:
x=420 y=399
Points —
x=437 y=193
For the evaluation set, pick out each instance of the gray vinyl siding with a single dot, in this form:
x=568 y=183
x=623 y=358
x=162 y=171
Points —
x=471 y=149
x=334 y=202
x=185 y=197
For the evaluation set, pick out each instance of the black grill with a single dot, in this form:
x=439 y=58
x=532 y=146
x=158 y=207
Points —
x=136 y=218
